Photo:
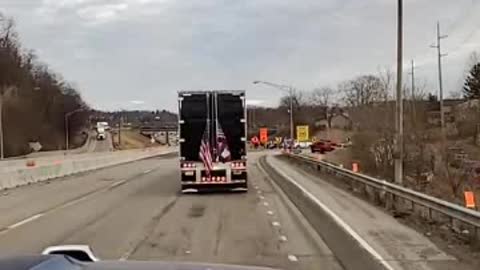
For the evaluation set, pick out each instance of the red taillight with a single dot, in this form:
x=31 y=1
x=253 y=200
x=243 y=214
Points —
x=224 y=179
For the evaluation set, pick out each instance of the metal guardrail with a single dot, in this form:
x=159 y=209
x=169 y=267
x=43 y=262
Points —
x=452 y=211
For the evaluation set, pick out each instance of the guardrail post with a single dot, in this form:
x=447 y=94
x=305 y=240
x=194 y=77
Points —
x=476 y=238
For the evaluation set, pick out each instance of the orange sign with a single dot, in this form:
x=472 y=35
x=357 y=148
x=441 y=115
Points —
x=264 y=135
x=355 y=167
x=469 y=199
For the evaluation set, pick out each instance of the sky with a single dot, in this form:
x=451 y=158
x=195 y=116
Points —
x=136 y=54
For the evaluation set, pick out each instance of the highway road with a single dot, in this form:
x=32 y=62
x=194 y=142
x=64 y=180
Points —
x=92 y=145
x=135 y=212
x=95 y=145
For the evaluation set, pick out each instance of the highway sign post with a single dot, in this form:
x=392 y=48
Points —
x=302 y=133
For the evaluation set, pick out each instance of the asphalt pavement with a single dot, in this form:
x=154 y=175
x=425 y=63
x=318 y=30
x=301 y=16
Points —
x=135 y=212
x=95 y=145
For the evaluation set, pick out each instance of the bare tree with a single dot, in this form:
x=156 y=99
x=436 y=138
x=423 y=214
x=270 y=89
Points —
x=321 y=96
x=387 y=82
x=363 y=90
x=297 y=97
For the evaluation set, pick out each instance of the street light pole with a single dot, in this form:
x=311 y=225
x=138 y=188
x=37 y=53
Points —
x=291 y=113
x=67 y=115
x=289 y=91
x=3 y=91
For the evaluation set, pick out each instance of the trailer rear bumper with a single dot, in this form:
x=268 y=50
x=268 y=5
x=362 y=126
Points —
x=191 y=187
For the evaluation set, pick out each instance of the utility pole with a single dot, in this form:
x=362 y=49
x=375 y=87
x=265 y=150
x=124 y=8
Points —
x=120 y=131
x=1 y=126
x=440 y=80
x=414 y=99
x=413 y=79
x=399 y=101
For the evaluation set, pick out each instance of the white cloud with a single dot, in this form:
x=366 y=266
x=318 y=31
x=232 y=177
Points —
x=255 y=102
x=110 y=47
x=137 y=102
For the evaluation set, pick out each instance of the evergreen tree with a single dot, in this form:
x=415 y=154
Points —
x=471 y=88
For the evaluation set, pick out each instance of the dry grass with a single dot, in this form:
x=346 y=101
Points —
x=132 y=139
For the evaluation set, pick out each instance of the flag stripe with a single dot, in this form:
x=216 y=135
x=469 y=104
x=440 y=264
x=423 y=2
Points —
x=206 y=154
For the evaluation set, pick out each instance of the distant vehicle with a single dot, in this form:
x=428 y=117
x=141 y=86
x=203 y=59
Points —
x=103 y=125
x=321 y=147
x=212 y=139
x=101 y=133
x=302 y=145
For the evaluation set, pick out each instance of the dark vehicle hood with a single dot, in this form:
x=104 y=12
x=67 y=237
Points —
x=60 y=262
x=152 y=265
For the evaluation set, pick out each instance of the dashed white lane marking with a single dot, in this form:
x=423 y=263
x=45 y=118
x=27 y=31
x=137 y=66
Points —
x=256 y=187
x=70 y=203
x=188 y=252
x=261 y=197
x=340 y=222
x=283 y=238
x=25 y=221
x=265 y=203
x=118 y=183
x=292 y=258
x=270 y=213
x=65 y=205
x=147 y=171
x=127 y=254
x=276 y=224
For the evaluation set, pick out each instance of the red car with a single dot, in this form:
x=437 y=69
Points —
x=321 y=147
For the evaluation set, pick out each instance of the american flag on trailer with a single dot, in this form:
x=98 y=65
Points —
x=206 y=152
x=222 y=145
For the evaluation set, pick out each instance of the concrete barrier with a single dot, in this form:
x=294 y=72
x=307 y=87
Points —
x=17 y=173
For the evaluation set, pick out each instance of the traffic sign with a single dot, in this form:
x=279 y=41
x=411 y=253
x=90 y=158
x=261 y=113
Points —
x=264 y=135
x=470 y=199
x=302 y=133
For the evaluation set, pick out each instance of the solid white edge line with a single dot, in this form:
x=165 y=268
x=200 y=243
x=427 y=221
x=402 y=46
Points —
x=339 y=221
x=25 y=221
